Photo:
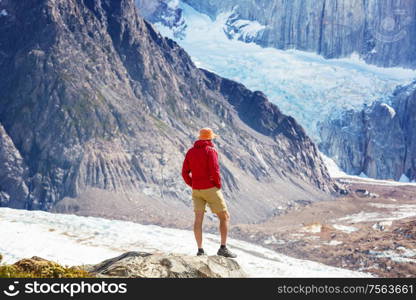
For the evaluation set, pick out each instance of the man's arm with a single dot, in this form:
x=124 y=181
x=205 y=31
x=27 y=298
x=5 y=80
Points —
x=186 y=169
x=214 y=167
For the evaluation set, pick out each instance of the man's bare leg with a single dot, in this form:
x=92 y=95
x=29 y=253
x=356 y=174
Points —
x=199 y=219
x=224 y=223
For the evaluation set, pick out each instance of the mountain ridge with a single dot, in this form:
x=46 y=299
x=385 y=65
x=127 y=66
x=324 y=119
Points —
x=101 y=108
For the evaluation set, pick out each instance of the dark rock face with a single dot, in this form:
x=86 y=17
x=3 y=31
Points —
x=14 y=174
x=383 y=32
x=98 y=111
x=379 y=140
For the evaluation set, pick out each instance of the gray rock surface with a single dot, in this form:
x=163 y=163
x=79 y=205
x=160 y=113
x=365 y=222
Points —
x=382 y=32
x=13 y=175
x=378 y=140
x=147 y=265
x=101 y=109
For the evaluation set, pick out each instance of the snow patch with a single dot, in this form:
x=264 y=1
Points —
x=347 y=229
x=313 y=228
x=334 y=243
x=390 y=109
x=357 y=179
x=3 y=13
x=271 y=240
x=396 y=212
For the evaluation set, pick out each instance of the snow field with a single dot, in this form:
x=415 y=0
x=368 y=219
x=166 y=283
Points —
x=74 y=240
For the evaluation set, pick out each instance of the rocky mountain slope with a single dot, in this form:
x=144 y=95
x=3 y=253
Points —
x=97 y=111
x=382 y=32
x=378 y=140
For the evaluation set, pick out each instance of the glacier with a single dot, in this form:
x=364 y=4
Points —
x=75 y=240
x=241 y=29
x=302 y=84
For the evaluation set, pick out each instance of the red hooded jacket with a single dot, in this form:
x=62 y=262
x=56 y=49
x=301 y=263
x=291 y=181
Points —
x=202 y=162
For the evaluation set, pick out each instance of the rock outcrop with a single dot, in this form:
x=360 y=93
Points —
x=13 y=175
x=382 y=32
x=378 y=140
x=97 y=111
x=147 y=265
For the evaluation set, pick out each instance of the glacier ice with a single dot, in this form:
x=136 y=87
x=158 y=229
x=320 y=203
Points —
x=404 y=178
x=302 y=84
x=240 y=29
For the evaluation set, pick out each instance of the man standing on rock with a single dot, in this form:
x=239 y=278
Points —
x=201 y=172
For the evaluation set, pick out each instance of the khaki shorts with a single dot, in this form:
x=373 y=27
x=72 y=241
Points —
x=212 y=196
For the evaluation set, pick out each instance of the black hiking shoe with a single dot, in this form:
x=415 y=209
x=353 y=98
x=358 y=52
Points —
x=224 y=251
x=200 y=252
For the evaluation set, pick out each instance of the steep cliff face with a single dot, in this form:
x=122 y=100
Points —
x=14 y=174
x=382 y=32
x=98 y=110
x=379 y=140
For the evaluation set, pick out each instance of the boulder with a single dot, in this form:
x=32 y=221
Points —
x=146 y=265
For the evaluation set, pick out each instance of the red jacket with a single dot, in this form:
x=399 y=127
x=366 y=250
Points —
x=202 y=162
